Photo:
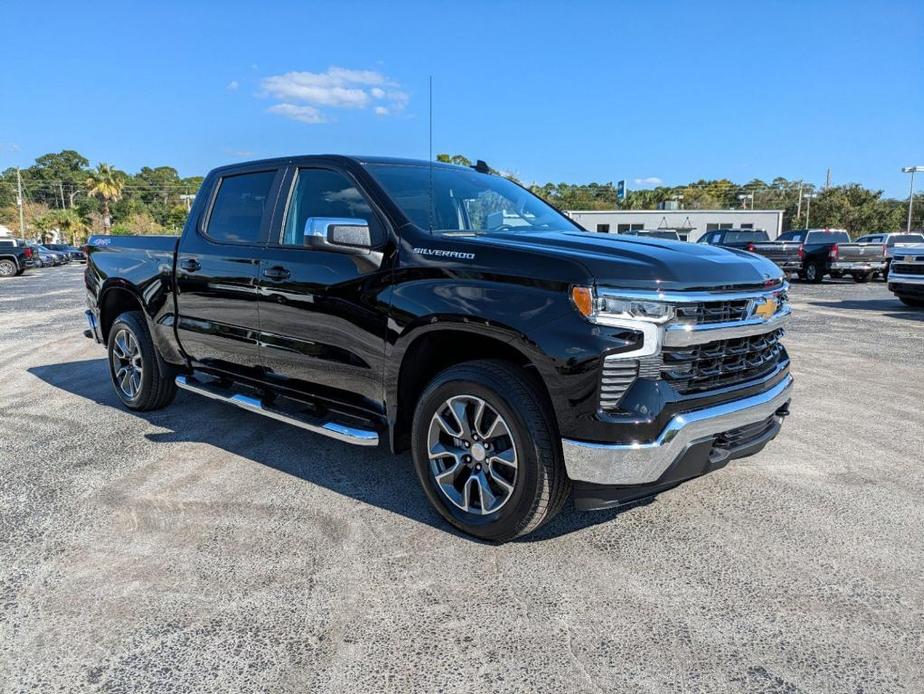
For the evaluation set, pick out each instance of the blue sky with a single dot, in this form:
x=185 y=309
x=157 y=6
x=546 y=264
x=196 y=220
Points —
x=563 y=91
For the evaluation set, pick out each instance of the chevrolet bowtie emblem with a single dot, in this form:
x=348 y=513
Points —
x=766 y=309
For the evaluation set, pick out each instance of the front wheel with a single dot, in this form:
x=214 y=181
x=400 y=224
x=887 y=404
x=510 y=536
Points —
x=141 y=380
x=487 y=451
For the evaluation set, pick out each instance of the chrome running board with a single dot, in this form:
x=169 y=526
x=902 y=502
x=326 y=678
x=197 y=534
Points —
x=347 y=434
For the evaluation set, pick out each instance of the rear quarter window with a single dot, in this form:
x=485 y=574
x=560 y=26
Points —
x=239 y=206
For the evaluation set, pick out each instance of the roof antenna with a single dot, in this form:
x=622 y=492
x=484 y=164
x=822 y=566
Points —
x=431 y=155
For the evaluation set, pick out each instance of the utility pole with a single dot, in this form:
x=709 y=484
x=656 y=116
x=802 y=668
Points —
x=912 y=170
x=61 y=191
x=828 y=179
x=808 y=208
x=19 y=202
x=799 y=204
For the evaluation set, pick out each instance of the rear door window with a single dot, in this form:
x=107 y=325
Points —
x=240 y=206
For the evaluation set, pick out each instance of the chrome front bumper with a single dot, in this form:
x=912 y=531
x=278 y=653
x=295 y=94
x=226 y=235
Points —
x=644 y=463
x=895 y=278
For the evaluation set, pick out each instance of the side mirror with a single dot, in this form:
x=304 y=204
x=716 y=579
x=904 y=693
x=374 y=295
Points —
x=343 y=234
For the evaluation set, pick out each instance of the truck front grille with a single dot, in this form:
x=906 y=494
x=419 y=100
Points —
x=713 y=311
x=907 y=269
x=721 y=363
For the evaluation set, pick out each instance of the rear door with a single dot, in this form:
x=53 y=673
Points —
x=323 y=311
x=217 y=265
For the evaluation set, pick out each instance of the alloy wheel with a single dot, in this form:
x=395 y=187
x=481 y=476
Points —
x=473 y=457
x=127 y=363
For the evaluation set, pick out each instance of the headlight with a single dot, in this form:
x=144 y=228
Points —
x=603 y=307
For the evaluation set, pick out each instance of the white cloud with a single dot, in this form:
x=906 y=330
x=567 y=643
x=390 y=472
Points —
x=233 y=86
x=301 y=93
x=650 y=181
x=303 y=114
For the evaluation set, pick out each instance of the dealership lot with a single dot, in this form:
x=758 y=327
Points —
x=211 y=549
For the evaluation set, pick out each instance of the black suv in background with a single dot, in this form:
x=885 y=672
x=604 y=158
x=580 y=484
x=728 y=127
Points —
x=743 y=239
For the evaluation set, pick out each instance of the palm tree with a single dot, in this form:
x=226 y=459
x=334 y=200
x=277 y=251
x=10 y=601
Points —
x=105 y=183
x=70 y=224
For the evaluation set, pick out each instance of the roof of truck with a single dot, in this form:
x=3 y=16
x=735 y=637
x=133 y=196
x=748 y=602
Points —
x=396 y=161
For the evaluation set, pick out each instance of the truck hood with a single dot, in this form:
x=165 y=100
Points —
x=645 y=262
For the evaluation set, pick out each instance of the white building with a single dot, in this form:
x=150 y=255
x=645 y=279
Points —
x=694 y=222
x=5 y=231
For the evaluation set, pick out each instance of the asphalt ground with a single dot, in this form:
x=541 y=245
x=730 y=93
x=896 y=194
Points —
x=203 y=548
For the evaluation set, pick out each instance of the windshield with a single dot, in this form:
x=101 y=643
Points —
x=465 y=200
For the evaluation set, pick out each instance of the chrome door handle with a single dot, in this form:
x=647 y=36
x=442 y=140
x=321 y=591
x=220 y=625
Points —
x=276 y=273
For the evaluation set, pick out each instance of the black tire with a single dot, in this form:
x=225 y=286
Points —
x=541 y=485
x=836 y=274
x=909 y=301
x=8 y=268
x=885 y=272
x=155 y=386
x=814 y=273
x=863 y=277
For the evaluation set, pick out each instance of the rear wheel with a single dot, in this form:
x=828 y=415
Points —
x=487 y=452
x=140 y=378
x=814 y=273
x=8 y=268
x=863 y=277
x=909 y=301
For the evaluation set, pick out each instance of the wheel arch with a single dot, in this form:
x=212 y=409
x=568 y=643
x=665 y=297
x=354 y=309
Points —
x=116 y=298
x=434 y=350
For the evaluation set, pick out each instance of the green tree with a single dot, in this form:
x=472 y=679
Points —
x=106 y=184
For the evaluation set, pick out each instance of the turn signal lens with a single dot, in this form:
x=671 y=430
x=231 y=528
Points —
x=583 y=298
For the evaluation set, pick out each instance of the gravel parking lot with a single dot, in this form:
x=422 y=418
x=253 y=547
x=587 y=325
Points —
x=205 y=548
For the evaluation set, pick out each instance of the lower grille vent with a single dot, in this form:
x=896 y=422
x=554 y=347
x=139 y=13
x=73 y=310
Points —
x=618 y=375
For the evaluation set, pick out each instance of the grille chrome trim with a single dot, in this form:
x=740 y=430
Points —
x=676 y=335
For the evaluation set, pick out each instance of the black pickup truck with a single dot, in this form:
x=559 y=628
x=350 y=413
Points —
x=15 y=257
x=452 y=313
x=810 y=253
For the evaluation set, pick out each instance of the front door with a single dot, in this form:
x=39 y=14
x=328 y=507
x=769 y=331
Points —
x=323 y=312
x=218 y=263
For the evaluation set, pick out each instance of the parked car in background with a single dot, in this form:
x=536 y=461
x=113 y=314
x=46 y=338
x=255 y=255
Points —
x=15 y=257
x=868 y=255
x=742 y=239
x=59 y=257
x=906 y=274
x=807 y=252
x=71 y=252
x=43 y=258
x=669 y=234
